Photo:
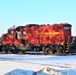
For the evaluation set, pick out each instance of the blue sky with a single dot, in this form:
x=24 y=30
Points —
x=21 y=12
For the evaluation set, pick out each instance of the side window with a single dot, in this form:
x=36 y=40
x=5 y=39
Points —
x=67 y=28
x=11 y=32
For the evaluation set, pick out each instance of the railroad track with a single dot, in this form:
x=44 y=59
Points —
x=40 y=53
x=30 y=62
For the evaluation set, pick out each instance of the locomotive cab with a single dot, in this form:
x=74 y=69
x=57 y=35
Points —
x=67 y=35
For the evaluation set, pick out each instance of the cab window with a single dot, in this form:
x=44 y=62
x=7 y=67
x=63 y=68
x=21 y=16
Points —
x=11 y=32
x=67 y=28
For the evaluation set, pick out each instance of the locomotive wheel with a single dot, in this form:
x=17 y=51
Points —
x=47 y=51
x=44 y=50
x=20 y=52
x=60 y=50
x=9 y=52
x=14 y=51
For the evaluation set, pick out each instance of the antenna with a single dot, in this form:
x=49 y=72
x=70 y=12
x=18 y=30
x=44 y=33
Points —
x=13 y=25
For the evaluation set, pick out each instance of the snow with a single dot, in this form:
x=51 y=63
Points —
x=11 y=64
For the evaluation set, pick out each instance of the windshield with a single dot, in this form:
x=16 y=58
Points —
x=11 y=31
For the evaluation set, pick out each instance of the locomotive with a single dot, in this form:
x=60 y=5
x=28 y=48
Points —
x=35 y=38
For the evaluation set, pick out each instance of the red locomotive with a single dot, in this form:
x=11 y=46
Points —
x=48 y=38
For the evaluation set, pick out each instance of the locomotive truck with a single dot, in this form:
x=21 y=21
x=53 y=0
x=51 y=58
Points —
x=35 y=38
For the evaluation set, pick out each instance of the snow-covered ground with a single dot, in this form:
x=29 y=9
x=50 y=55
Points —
x=11 y=64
